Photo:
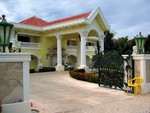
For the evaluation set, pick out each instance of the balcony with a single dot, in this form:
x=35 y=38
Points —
x=71 y=48
x=74 y=48
x=30 y=45
x=91 y=48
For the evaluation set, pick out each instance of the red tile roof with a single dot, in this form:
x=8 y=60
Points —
x=34 y=21
x=69 y=18
x=39 y=22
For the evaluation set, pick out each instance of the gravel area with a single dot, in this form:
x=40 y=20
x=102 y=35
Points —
x=57 y=92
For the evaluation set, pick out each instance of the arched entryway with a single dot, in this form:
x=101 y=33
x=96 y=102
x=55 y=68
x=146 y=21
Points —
x=53 y=56
x=35 y=61
x=72 y=60
x=88 y=60
x=94 y=36
x=91 y=44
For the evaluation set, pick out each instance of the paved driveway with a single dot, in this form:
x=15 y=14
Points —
x=55 y=92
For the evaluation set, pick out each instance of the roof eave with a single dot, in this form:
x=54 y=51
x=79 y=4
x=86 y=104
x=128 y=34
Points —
x=25 y=26
x=76 y=22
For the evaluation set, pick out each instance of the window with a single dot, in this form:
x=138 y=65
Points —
x=71 y=43
x=23 y=38
x=68 y=43
x=90 y=44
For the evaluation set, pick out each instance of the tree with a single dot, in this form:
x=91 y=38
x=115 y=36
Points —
x=108 y=42
x=123 y=45
x=114 y=48
x=111 y=59
x=95 y=59
x=147 y=44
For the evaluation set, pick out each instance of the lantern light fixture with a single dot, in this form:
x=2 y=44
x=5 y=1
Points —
x=5 y=33
x=140 y=42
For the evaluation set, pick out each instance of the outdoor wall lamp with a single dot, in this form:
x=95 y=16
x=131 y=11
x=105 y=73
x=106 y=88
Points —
x=5 y=32
x=140 y=42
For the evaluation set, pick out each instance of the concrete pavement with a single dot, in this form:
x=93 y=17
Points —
x=57 y=92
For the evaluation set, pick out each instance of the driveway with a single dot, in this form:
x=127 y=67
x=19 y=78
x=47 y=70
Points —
x=57 y=92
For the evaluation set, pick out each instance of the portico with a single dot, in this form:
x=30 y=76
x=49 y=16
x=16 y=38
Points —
x=81 y=50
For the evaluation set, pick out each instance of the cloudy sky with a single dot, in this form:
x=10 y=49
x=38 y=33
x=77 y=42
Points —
x=126 y=17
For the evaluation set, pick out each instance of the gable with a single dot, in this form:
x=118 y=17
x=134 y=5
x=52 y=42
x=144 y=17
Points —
x=97 y=14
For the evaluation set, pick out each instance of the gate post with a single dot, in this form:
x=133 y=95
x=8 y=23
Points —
x=125 y=64
x=142 y=66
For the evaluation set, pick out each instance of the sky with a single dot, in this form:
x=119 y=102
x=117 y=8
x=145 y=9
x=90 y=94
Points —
x=126 y=17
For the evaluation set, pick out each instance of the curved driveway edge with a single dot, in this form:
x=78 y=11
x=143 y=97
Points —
x=57 y=92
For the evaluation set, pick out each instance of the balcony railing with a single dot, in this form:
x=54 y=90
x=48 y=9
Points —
x=74 y=48
x=91 y=48
x=30 y=45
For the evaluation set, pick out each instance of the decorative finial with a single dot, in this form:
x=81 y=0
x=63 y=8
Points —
x=140 y=33
x=3 y=16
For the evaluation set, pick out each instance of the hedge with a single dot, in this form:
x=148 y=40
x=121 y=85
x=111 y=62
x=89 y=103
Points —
x=109 y=77
x=43 y=69
x=47 y=69
x=84 y=76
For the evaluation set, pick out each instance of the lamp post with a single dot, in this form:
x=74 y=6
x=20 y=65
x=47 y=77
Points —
x=98 y=63
x=5 y=32
x=99 y=54
x=140 y=42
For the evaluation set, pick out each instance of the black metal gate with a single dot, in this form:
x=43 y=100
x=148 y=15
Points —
x=112 y=78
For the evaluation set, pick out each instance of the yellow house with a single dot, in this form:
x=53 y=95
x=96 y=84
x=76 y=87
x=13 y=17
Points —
x=69 y=40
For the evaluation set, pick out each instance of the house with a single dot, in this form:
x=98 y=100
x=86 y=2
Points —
x=69 y=40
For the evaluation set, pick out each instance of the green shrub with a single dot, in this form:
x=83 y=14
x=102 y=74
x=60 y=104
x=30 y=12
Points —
x=84 y=76
x=32 y=70
x=109 y=77
x=80 y=70
x=47 y=69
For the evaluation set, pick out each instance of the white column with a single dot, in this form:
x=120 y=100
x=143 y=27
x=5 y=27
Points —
x=83 y=35
x=78 y=51
x=102 y=45
x=145 y=84
x=125 y=63
x=26 y=81
x=59 y=66
x=59 y=51
x=143 y=69
x=102 y=42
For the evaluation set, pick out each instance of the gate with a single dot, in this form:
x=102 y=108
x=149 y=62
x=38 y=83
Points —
x=115 y=78
x=112 y=78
